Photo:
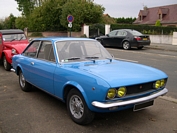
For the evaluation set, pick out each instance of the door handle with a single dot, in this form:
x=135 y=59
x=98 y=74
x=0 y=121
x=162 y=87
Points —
x=32 y=63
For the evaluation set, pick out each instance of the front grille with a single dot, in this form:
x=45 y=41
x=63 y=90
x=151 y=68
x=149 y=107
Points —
x=134 y=89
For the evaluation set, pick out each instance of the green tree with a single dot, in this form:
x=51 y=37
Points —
x=46 y=17
x=84 y=12
x=9 y=22
x=158 y=23
x=27 y=6
x=21 y=22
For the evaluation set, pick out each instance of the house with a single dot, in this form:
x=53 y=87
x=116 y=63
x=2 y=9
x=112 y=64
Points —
x=166 y=14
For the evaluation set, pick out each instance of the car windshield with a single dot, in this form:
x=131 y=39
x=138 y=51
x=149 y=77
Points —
x=135 y=33
x=81 y=51
x=12 y=37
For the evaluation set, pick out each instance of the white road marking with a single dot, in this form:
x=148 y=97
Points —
x=142 y=52
x=125 y=60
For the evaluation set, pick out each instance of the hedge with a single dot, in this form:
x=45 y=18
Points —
x=146 y=29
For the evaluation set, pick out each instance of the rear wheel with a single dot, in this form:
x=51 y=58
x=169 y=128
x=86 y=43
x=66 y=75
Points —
x=25 y=86
x=7 y=65
x=126 y=45
x=77 y=108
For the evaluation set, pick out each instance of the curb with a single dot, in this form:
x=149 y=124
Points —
x=170 y=99
x=158 y=48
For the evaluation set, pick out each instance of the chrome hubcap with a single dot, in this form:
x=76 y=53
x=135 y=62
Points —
x=22 y=80
x=5 y=62
x=76 y=106
x=126 y=45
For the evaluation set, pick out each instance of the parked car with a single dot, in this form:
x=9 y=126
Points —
x=12 y=41
x=81 y=72
x=125 y=38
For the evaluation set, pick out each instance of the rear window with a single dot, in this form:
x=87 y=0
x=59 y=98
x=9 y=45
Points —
x=135 y=33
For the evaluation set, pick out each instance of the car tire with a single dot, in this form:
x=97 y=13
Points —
x=7 y=65
x=140 y=47
x=126 y=45
x=77 y=108
x=25 y=86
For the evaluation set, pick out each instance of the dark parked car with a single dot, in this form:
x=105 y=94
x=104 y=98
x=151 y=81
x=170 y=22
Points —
x=125 y=38
x=81 y=73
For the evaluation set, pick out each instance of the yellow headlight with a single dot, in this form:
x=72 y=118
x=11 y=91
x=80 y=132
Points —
x=121 y=92
x=111 y=93
x=162 y=84
x=157 y=84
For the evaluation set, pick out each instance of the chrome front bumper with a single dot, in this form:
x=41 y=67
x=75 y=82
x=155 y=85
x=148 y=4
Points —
x=128 y=102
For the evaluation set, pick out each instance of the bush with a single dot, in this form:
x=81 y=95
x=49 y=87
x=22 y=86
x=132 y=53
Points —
x=36 y=34
x=146 y=29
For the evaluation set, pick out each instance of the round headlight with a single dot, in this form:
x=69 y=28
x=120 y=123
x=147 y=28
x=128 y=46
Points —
x=111 y=93
x=14 y=51
x=157 y=84
x=162 y=83
x=121 y=92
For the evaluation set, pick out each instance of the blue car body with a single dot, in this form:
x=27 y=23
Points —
x=93 y=78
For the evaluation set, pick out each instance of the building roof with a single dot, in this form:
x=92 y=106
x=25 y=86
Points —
x=151 y=15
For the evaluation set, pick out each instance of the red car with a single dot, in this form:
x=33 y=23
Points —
x=12 y=42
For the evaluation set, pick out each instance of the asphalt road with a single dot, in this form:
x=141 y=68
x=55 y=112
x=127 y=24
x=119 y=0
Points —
x=38 y=112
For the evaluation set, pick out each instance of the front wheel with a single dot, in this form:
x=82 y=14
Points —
x=77 y=108
x=25 y=86
x=7 y=65
x=126 y=45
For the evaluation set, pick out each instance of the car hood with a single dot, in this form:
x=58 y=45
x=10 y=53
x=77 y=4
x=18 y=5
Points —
x=120 y=73
x=19 y=46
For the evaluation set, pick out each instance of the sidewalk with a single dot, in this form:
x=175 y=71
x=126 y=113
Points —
x=167 y=47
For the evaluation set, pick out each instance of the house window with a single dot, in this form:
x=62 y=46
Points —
x=140 y=18
x=160 y=16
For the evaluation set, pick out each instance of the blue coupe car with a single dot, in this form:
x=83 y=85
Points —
x=81 y=73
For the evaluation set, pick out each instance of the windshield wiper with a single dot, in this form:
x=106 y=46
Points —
x=21 y=38
x=109 y=59
x=91 y=57
x=12 y=40
x=73 y=58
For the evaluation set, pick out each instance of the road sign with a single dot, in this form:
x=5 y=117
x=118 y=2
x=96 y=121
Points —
x=70 y=25
x=70 y=18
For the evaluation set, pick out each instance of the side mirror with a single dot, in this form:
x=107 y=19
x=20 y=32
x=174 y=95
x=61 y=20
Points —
x=107 y=35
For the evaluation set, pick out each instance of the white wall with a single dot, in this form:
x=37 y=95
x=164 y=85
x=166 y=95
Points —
x=163 y=39
x=174 y=42
x=86 y=30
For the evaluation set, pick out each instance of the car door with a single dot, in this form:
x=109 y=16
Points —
x=120 y=36
x=40 y=65
x=43 y=67
x=110 y=39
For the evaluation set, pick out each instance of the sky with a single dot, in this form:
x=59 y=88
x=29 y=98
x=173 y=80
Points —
x=115 y=8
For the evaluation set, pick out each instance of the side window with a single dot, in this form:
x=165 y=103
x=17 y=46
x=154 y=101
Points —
x=32 y=50
x=46 y=51
x=113 y=33
x=121 y=33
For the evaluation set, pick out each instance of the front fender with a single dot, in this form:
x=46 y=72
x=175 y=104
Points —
x=79 y=87
x=8 y=55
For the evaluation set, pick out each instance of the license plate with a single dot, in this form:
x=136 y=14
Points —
x=144 y=38
x=142 y=105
